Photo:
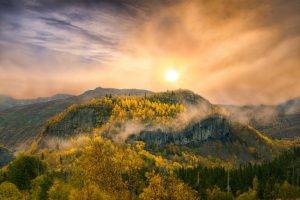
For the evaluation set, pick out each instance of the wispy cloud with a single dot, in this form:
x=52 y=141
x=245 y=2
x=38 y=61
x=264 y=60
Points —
x=229 y=51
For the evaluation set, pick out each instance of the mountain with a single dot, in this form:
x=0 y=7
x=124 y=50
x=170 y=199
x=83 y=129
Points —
x=9 y=102
x=85 y=117
x=127 y=111
x=208 y=134
x=279 y=121
x=20 y=124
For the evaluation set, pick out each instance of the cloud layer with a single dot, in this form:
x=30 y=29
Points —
x=228 y=51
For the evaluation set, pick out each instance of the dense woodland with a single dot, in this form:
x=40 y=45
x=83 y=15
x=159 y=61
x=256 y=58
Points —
x=98 y=166
x=269 y=180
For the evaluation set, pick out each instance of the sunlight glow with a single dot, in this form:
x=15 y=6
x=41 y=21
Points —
x=171 y=75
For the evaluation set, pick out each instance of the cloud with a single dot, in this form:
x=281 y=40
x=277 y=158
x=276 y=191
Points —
x=229 y=52
x=233 y=52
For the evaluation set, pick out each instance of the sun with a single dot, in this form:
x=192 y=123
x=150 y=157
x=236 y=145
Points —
x=171 y=75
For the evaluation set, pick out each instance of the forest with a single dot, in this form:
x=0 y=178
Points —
x=97 y=168
x=98 y=165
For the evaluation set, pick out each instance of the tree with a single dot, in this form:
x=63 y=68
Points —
x=40 y=186
x=2 y=176
x=216 y=194
x=9 y=191
x=288 y=191
x=250 y=195
x=178 y=190
x=23 y=169
x=59 y=191
x=164 y=188
x=109 y=166
x=255 y=184
x=155 y=189
x=88 y=192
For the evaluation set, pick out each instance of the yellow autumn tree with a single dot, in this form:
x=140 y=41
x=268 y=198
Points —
x=164 y=188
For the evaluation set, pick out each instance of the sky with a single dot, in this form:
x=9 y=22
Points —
x=228 y=51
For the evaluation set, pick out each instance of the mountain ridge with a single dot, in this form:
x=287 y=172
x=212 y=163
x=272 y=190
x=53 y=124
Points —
x=20 y=124
x=7 y=102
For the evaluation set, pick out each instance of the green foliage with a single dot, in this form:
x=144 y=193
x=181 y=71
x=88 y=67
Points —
x=98 y=168
x=92 y=167
x=216 y=194
x=59 y=191
x=9 y=191
x=250 y=195
x=288 y=191
x=39 y=187
x=23 y=169
x=2 y=176
x=263 y=177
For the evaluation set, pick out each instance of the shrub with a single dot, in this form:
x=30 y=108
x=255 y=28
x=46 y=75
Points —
x=9 y=191
x=23 y=169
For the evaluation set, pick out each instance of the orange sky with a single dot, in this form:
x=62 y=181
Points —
x=235 y=52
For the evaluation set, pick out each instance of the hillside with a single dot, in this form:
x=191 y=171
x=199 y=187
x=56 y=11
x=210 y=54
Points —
x=130 y=111
x=20 y=124
x=9 y=102
x=279 y=121
x=164 y=121
x=96 y=113
x=149 y=146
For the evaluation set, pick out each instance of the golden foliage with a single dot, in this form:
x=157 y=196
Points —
x=164 y=188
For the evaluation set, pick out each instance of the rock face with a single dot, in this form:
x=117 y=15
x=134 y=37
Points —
x=214 y=136
x=213 y=128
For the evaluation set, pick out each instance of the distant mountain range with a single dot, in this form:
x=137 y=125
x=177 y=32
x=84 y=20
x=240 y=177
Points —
x=9 y=102
x=279 y=121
